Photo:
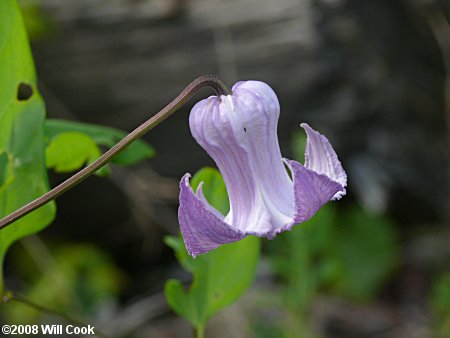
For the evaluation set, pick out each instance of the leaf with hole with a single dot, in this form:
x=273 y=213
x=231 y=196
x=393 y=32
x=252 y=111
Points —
x=23 y=174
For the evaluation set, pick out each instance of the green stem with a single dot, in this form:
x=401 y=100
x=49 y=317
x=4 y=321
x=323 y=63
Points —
x=10 y=296
x=203 y=81
x=200 y=331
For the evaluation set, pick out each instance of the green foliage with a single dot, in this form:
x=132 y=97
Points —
x=22 y=142
x=365 y=245
x=302 y=259
x=22 y=164
x=299 y=145
x=440 y=303
x=345 y=252
x=77 y=280
x=102 y=136
x=349 y=254
x=70 y=150
x=213 y=188
x=37 y=23
x=221 y=276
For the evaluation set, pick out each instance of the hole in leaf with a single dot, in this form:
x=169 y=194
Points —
x=24 y=91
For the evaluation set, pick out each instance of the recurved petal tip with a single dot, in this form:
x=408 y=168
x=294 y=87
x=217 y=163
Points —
x=311 y=191
x=202 y=226
x=321 y=158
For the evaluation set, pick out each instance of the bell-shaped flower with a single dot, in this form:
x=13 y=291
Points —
x=239 y=131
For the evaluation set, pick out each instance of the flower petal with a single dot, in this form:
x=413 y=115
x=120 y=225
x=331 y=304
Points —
x=311 y=191
x=239 y=132
x=321 y=158
x=259 y=111
x=202 y=226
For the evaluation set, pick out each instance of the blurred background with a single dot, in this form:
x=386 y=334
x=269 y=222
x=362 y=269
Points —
x=373 y=76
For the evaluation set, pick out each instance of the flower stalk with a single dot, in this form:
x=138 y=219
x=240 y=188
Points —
x=203 y=81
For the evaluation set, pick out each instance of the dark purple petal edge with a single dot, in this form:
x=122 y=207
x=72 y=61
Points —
x=202 y=226
x=311 y=191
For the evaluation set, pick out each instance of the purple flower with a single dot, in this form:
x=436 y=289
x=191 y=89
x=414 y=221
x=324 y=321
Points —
x=239 y=131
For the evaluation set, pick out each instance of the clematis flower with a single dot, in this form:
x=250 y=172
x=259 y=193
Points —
x=239 y=131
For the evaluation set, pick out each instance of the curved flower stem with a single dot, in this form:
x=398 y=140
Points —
x=203 y=81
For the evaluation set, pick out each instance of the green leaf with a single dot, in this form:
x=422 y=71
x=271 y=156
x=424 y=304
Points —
x=440 y=305
x=69 y=151
x=353 y=251
x=80 y=287
x=366 y=247
x=349 y=253
x=37 y=23
x=5 y=168
x=299 y=145
x=105 y=136
x=221 y=276
x=213 y=188
x=300 y=257
x=177 y=245
x=22 y=112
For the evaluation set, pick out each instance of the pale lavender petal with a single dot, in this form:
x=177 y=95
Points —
x=259 y=112
x=321 y=158
x=213 y=132
x=202 y=226
x=311 y=191
x=239 y=132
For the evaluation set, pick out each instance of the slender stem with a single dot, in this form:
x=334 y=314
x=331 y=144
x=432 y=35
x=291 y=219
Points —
x=200 y=331
x=203 y=81
x=10 y=296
